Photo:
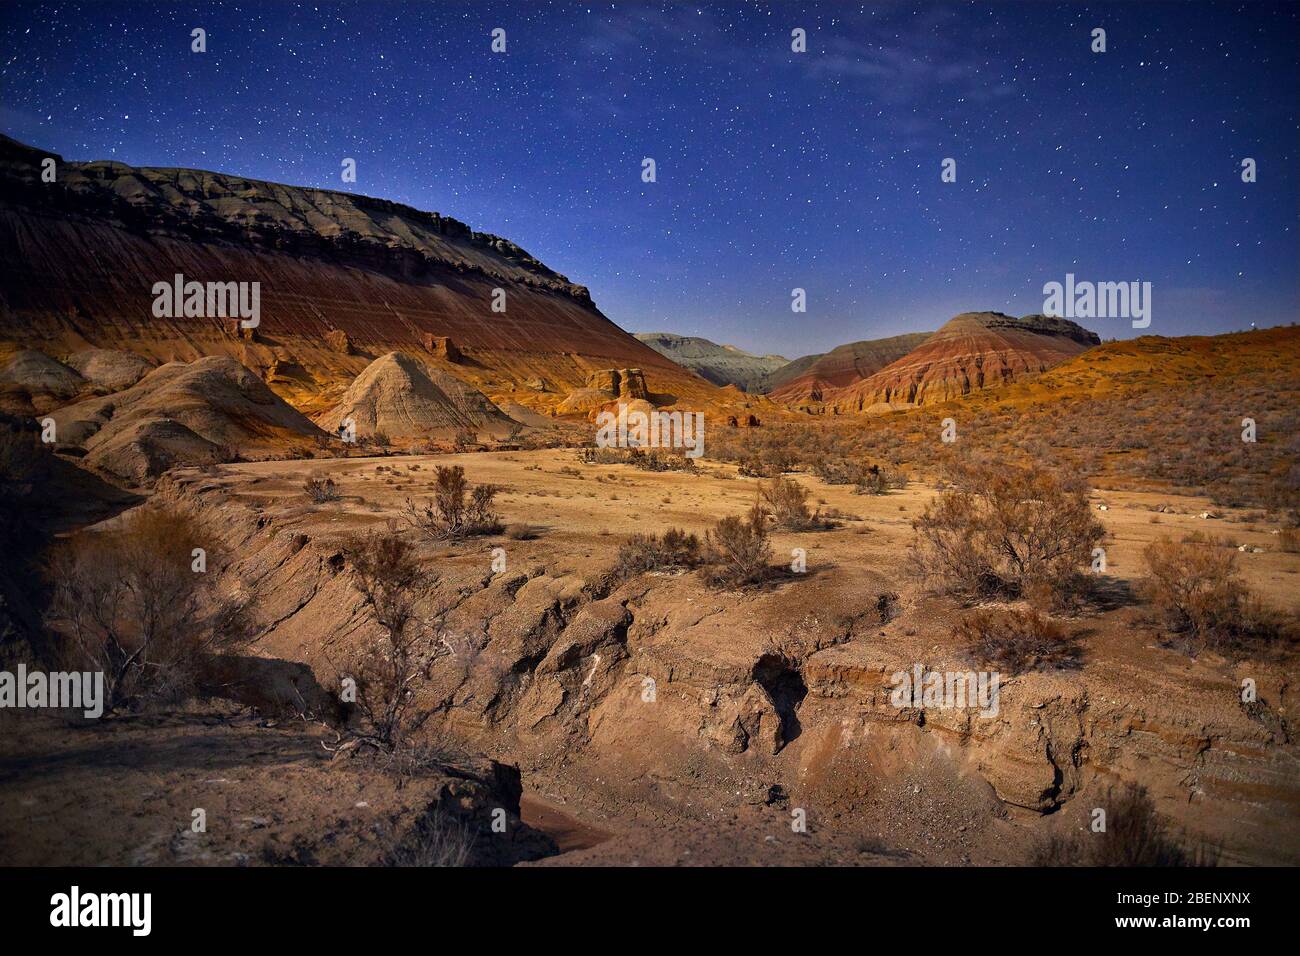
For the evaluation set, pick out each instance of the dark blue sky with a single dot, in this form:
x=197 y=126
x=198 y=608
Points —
x=775 y=170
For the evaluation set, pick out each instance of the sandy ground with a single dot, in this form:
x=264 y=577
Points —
x=582 y=513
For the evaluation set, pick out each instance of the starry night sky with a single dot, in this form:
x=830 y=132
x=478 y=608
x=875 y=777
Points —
x=775 y=169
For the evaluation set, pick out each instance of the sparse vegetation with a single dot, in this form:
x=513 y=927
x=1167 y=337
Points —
x=1135 y=835
x=642 y=458
x=455 y=511
x=320 y=489
x=388 y=577
x=438 y=839
x=1000 y=533
x=1197 y=594
x=738 y=551
x=132 y=604
x=788 y=502
x=647 y=552
x=1014 y=640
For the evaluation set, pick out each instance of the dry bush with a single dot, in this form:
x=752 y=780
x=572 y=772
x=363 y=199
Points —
x=645 y=459
x=788 y=502
x=438 y=839
x=602 y=456
x=648 y=552
x=997 y=533
x=521 y=532
x=738 y=552
x=387 y=575
x=24 y=471
x=1135 y=835
x=1014 y=640
x=1288 y=540
x=131 y=605
x=320 y=489
x=878 y=481
x=455 y=511
x=1198 y=595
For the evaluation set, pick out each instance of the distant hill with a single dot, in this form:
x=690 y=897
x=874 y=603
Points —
x=973 y=351
x=719 y=364
x=791 y=370
x=841 y=367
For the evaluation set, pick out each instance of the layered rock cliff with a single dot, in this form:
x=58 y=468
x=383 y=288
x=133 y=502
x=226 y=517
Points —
x=343 y=279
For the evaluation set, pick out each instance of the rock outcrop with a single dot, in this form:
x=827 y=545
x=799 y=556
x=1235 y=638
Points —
x=180 y=413
x=109 y=369
x=32 y=382
x=339 y=341
x=603 y=387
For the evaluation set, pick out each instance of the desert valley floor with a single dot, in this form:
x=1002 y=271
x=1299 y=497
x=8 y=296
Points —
x=766 y=702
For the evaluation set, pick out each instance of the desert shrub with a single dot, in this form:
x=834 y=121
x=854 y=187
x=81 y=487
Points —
x=386 y=573
x=788 y=502
x=25 y=478
x=465 y=439
x=1135 y=835
x=1014 y=640
x=320 y=489
x=866 y=479
x=437 y=839
x=659 y=460
x=521 y=532
x=642 y=458
x=1288 y=540
x=131 y=605
x=878 y=481
x=998 y=532
x=602 y=456
x=648 y=552
x=1197 y=594
x=838 y=471
x=737 y=551
x=455 y=511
